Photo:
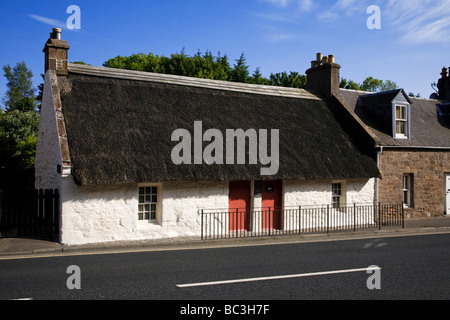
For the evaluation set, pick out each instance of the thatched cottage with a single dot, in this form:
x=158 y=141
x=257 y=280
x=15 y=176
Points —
x=136 y=155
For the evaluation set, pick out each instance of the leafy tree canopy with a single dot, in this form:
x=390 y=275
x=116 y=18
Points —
x=20 y=94
x=205 y=66
x=369 y=84
x=218 y=67
x=19 y=122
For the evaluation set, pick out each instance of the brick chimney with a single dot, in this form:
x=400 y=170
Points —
x=56 y=53
x=323 y=76
x=444 y=85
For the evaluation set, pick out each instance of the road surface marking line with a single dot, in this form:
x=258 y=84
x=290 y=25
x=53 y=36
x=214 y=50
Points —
x=214 y=283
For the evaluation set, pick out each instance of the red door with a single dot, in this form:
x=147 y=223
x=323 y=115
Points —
x=239 y=205
x=272 y=199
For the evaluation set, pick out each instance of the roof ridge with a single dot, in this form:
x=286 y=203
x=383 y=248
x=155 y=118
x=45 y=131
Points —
x=191 y=81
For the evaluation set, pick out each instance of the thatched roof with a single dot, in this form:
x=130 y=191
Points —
x=119 y=126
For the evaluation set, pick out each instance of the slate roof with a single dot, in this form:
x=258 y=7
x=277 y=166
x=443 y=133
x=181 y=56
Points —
x=429 y=129
x=119 y=125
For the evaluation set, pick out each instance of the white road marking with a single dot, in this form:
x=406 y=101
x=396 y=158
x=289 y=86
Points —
x=214 y=283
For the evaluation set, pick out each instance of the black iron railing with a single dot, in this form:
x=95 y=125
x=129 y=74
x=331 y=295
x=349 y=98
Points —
x=216 y=224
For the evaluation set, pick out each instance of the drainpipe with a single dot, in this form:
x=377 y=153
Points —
x=379 y=153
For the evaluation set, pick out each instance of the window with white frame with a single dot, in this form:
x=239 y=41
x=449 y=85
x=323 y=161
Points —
x=408 y=185
x=401 y=122
x=148 y=203
x=337 y=194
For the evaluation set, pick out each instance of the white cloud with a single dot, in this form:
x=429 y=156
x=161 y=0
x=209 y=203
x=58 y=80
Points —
x=275 y=17
x=51 y=22
x=342 y=8
x=420 y=22
x=280 y=37
x=305 y=5
x=279 y=3
x=411 y=21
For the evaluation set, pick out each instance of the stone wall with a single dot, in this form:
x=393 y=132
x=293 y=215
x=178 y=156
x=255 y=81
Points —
x=428 y=169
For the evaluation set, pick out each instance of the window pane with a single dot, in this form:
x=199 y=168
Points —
x=336 y=194
x=336 y=189
x=401 y=127
x=401 y=113
x=148 y=197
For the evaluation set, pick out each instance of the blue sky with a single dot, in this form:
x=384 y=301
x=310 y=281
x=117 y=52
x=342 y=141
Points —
x=276 y=35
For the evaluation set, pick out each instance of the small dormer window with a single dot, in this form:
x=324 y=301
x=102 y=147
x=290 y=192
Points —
x=401 y=121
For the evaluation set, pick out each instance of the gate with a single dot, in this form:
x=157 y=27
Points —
x=33 y=213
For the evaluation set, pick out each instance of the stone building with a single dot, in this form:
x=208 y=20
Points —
x=413 y=146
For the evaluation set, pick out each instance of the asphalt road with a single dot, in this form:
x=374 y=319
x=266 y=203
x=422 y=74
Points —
x=415 y=267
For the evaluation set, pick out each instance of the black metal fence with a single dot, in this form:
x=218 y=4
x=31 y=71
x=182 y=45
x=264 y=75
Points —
x=299 y=220
x=33 y=213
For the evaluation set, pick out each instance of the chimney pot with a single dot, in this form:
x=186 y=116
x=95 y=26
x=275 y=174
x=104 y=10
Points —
x=319 y=58
x=330 y=58
x=444 y=73
x=56 y=34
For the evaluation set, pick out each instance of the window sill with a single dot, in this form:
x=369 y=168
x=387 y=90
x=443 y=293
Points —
x=401 y=137
x=142 y=224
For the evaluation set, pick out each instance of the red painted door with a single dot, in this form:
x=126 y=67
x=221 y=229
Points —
x=239 y=205
x=272 y=199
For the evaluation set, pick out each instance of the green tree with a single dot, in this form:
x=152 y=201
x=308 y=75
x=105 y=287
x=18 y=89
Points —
x=349 y=84
x=18 y=138
x=369 y=84
x=240 y=71
x=200 y=65
x=376 y=85
x=218 y=68
x=292 y=80
x=20 y=94
x=257 y=78
x=19 y=123
x=411 y=94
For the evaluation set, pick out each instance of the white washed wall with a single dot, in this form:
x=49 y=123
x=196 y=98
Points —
x=311 y=195
x=109 y=213
x=318 y=192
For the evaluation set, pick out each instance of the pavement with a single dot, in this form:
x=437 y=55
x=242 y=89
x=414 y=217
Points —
x=22 y=247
